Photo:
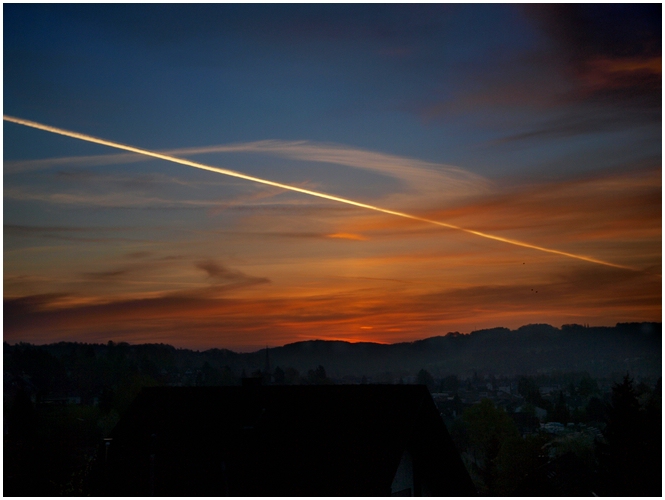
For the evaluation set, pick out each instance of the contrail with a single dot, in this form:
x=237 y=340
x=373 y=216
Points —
x=231 y=173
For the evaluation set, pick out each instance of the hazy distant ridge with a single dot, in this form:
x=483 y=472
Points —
x=529 y=350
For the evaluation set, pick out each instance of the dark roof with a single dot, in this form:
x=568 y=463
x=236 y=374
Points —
x=280 y=440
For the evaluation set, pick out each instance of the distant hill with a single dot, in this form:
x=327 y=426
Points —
x=529 y=350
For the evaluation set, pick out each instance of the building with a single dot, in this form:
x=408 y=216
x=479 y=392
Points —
x=361 y=440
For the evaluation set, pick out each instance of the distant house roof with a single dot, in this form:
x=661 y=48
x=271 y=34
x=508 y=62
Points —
x=280 y=441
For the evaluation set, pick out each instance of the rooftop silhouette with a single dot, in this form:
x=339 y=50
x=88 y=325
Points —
x=282 y=441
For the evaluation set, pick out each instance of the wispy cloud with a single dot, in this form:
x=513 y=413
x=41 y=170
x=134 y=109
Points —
x=105 y=200
x=412 y=171
x=18 y=166
x=623 y=203
x=402 y=315
x=421 y=178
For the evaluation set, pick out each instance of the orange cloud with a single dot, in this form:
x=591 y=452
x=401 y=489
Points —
x=347 y=236
x=201 y=319
x=604 y=74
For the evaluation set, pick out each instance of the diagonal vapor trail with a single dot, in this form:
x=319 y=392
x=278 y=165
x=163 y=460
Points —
x=232 y=173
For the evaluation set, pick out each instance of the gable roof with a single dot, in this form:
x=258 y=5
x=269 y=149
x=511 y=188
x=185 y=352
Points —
x=280 y=440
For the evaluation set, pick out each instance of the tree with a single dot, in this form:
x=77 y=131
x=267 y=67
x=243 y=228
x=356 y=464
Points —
x=210 y=376
x=488 y=428
x=596 y=410
x=517 y=458
x=587 y=387
x=425 y=378
x=449 y=383
x=529 y=390
x=21 y=417
x=631 y=458
x=318 y=376
x=291 y=376
x=279 y=376
x=560 y=412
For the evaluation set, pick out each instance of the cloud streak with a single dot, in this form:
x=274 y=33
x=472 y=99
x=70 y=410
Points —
x=207 y=313
x=415 y=173
x=424 y=181
x=309 y=192
x=107 y=200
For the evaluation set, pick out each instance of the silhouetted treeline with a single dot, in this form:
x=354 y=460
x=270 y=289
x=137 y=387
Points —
x=529 y=350
x=624 y=459
x=111 y=374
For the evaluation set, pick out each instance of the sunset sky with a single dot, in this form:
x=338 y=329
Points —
x=540 y=124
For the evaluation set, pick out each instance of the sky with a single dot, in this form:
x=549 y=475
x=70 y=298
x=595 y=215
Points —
x=524 y=130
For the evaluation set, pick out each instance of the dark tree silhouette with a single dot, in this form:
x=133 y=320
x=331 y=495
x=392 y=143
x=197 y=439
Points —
x=560 y=412
x=488 y=429
x=318 y=376
x=21 y=416
x=596 y=410
x=449 y=383
x=425 y=378
x=587 y=387
x=631 y=462
x=279 y=376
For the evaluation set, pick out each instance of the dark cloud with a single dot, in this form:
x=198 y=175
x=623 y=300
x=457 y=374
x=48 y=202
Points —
x=613 y=50
x=601 y=73
x=220 y=273
x=107 y=275
x=222 y=276
x=137 y=181
x=582 y=290
x=130 y=269
x=587 y=31
x=587 y=121
x=38 y=316
x=139 y=255
x=22 y=229
x=599 y=281
x=65 y=233
x=29 y=304
x=172 y=257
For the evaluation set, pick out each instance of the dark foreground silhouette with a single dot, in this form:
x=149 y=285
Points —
x=515 y=434
x=281 y=441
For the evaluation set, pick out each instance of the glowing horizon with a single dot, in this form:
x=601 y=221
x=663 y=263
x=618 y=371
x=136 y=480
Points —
x=232 y=173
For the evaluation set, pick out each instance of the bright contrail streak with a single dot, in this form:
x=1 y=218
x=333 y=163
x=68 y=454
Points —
x=104 y=142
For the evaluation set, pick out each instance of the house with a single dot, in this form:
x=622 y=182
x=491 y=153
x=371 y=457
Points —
x=354 y=440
